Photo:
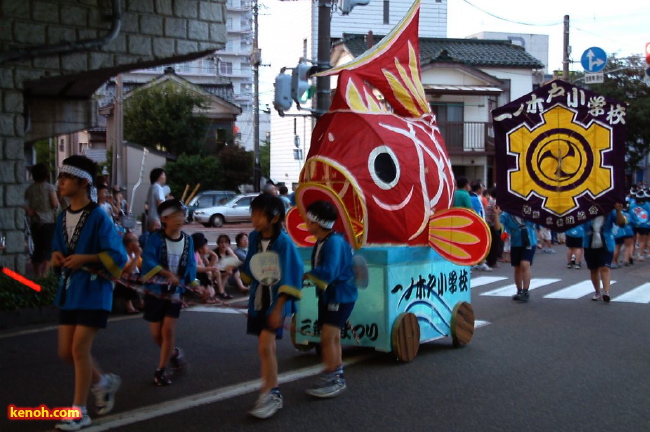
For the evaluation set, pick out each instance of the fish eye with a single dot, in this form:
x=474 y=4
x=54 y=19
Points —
x=383 y=166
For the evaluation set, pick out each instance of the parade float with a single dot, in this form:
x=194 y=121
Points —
x=378 y=156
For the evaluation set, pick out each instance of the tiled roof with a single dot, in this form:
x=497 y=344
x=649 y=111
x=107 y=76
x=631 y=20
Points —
x=473 y=52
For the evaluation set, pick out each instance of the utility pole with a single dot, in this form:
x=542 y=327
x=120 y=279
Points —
x=256 y=60
x=324 y=42
x=565 y=51
x=118 y=173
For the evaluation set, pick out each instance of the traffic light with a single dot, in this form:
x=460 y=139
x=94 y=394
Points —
x=647 y=63
x=282 y=98
x=347 y=5
x=300 y=82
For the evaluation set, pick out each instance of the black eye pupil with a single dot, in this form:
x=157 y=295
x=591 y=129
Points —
x=385 y=168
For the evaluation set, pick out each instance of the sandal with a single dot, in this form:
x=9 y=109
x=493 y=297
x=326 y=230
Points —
x=224 y=296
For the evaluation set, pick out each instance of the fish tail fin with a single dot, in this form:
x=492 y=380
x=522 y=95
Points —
x=459 y=235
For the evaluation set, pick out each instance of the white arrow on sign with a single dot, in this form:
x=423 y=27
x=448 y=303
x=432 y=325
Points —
x=593 y=63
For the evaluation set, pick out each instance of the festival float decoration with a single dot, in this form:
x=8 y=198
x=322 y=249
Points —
x=378 y=156
x=560 y=155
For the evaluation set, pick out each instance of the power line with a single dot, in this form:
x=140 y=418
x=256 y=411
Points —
x=512 y=21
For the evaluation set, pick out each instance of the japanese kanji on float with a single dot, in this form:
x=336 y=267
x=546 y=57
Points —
x=383 y=164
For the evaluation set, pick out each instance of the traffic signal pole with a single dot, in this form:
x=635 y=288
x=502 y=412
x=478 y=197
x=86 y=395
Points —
x=324 y=41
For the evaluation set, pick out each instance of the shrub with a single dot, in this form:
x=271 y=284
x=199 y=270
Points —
x=14 y=295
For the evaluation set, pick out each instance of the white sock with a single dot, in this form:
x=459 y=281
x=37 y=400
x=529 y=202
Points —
x=83 y=409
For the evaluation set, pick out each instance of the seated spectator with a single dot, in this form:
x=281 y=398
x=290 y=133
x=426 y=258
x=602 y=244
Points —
x=240 y=252
x=206 y=269
x=152 y=224
x=133 y=266
x=223 y=250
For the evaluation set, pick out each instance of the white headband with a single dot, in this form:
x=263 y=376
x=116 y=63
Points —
x=78 y=172
x=322 y=222
x=173 y=209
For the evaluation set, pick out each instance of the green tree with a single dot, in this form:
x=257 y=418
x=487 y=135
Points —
x=191 y=170
x=164 y=117
x=237 y=166
x=46 y=155
x=624 y=82
x=265 y=158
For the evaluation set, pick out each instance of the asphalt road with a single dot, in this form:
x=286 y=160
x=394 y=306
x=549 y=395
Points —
x=553 y=364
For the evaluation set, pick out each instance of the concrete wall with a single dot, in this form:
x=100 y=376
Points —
x=55 y=54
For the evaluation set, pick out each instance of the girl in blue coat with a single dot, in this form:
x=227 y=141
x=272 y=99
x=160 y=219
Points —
x=269 y=305
x=85 y=244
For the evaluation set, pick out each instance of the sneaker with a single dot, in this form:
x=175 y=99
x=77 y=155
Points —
x=161 y=377
x=105 y=395
x=267 y=404
x=74 y=424
x=517 y=296
x=178 y=362
x=328 y=385
x=614 y=266
x=569 y=265
x=606 y=297
x=486 y=267
x=596 y=297
x=577 y=266
x=523 y=297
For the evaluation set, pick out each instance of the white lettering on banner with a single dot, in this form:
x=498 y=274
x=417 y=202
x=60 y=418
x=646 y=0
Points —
x=574 y=98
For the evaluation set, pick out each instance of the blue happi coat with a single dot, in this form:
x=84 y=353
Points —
x=86 y=288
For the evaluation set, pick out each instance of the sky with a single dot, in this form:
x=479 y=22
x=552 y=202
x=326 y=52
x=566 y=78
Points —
x=620 y=27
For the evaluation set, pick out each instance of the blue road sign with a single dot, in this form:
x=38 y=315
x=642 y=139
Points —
x=593 y=59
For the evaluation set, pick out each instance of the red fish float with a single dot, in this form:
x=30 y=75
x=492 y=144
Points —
x=379 y=157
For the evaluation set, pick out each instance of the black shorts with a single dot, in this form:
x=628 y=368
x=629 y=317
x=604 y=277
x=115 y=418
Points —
x=573 y=242
x=621 y=240
x=596 y=258
x=642 y=231
x=156 y=309
x=519 y=254
x=255 y=325
x=335 y=314
x=96 y=318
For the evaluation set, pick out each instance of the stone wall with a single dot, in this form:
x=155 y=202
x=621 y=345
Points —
x=55 y=54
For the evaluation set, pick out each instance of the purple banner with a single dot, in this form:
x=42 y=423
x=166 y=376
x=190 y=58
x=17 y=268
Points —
x=560 y=155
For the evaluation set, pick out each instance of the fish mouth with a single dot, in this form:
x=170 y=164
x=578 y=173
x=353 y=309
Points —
x=324 y=178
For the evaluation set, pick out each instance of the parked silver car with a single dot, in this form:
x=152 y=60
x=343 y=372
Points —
x=235 y=210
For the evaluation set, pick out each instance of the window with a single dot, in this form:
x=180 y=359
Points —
x=225 y=68
x=386 y=11
x=450 y=118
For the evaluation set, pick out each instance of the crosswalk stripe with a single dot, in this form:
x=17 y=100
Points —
x=640 y=294
x=485 y=280
x=509 y=290
x=574 y=291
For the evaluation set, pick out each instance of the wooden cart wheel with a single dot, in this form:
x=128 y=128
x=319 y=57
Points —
x=462 y=324
x=300 y=347
x=406 y=337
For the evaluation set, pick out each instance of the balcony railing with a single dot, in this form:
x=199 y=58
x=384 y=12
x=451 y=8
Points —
x=468 y=136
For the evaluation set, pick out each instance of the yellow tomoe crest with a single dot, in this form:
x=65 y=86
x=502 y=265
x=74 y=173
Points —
x=560 y=160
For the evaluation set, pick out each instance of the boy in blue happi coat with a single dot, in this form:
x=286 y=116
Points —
x=333 y=274
x=168 y=266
